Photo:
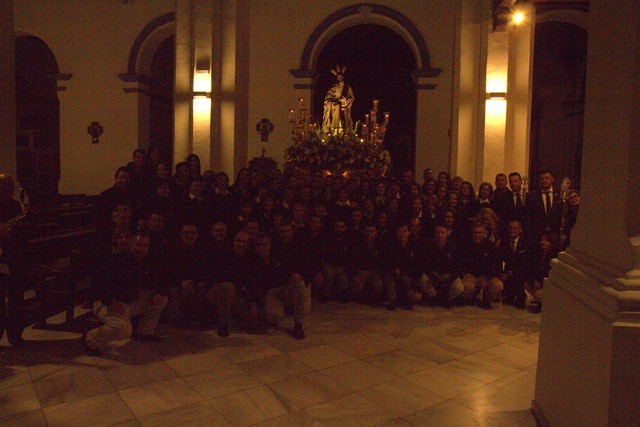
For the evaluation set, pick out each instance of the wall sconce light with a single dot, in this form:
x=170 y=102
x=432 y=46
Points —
x=497 y=96
x=202 y=79
x=518 y=18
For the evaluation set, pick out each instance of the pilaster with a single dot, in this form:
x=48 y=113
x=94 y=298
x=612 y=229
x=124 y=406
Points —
x=520 y=90
x=469 y=89
x=588 y=363
x=7 y=89
x=183 y=88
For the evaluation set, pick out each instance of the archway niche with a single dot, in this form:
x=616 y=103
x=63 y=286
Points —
x=380 y=65
x=161 y=80
x=559 y=75
x=386 y=27
x=151 y=71
x=37 y=120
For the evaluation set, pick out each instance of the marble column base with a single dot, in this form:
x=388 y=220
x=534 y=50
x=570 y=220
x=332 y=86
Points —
x=589 y=359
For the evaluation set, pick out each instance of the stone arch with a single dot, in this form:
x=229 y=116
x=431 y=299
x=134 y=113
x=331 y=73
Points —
x=139 y=80
x=148 y=41
x=365 y=13
x=37 y=119
x=575 y=17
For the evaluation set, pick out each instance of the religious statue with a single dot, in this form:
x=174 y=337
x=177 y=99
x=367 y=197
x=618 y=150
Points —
x=337 y=103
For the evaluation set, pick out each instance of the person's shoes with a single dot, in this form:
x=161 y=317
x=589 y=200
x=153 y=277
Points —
x=519 y=303
x=162 y=330
x=484 y=304
x=145 y=338
x=298 y=332
x=223 y=331
x=469 y=302
x=392 y=305
x=406 y=306
x=257 y=328
x=458 y=301
x=376 y=303
x=206 y=325
x=94 y=352
x=17 y=342
x=426 y=302
x=343 y=298
x=360 y=299
x=536 y=308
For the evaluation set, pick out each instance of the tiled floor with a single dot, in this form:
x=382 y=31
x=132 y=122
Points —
x=357 y=366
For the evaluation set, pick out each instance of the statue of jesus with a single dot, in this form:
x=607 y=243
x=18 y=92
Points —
x=337 y=103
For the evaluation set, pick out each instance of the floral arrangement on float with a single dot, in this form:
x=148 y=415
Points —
x=331 y=148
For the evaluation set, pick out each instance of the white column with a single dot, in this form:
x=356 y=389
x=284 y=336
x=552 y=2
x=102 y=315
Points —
x=588 y=364
x=7 y=90
x=183 y=89
x=469 y=93
x=241 y=113
x=203 y=22
x=493 y=151
x=520 y=90
x=227 y=88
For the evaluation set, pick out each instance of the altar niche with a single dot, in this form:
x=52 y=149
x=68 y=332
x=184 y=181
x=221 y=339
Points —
x=557 y=119
x=162 y=71
x=379 y=65
x=37 y=120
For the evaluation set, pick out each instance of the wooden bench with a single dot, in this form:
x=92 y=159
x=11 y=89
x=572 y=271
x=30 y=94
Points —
x=62 y=263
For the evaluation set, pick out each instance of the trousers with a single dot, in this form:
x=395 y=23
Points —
x=295 y=293
x=117 y=326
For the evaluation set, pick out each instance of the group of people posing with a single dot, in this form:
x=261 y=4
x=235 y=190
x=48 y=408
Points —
x=191 y=249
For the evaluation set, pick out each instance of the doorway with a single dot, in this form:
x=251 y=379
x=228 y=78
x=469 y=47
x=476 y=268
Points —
x=380 y=65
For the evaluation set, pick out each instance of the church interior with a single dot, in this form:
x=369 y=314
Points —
x=474 y=88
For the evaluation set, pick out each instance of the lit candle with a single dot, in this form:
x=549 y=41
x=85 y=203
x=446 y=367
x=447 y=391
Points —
x=364 y=129
x=375 y=104
x=301 y=102
x=366 y=118
x=386 y=118
x=291 y=114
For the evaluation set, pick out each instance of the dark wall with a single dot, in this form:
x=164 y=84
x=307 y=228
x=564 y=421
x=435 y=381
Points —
x=559 y=71
x=379 y=65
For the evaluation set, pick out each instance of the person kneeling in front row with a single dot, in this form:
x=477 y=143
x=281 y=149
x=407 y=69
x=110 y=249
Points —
x=281 y=285
x=481 y=267
x=128 y=284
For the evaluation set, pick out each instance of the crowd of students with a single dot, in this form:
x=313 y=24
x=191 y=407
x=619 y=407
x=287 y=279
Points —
x=192 y=249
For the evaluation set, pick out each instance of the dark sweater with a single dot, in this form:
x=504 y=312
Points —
x=481 y=259
x=121 y=277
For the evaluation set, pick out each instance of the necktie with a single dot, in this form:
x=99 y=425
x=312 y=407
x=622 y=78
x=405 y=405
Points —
x=514 y=246
x=518 y=200
x=547 y=206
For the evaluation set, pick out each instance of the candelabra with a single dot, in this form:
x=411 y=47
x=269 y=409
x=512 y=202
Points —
x=373 y=131
x=524 y=189
x=334 y=149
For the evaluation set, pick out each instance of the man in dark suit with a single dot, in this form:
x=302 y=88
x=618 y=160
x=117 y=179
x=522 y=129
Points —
x=119 y=194
x=515 y=253
x=512 y=203
x=544 y=207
